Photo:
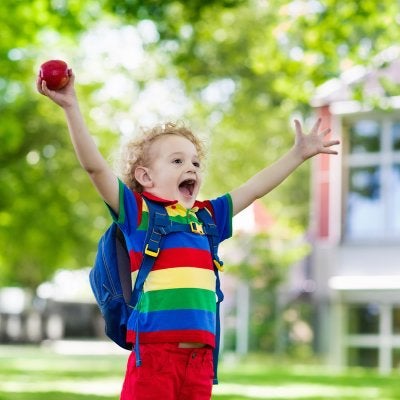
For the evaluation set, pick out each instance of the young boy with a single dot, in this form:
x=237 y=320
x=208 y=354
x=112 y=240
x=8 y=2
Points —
x=174 y=321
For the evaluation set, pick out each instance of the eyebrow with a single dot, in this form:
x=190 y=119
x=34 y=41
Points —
x=181 y=153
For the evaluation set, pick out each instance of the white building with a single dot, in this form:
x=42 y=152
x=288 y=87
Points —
x=356 y=217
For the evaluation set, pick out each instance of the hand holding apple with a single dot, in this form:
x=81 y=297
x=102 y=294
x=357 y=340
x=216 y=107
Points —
x=54 y=73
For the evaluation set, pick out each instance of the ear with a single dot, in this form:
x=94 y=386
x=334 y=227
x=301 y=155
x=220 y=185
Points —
x=143 y=177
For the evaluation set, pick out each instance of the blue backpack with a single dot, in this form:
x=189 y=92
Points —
x=110 y=277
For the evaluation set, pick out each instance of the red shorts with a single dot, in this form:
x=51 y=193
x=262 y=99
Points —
x=169 y=373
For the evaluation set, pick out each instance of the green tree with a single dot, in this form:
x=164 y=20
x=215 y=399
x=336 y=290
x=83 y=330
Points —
x=246 y=65
x=43 y=222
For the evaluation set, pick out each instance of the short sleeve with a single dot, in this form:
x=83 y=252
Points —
x=222 y=213
x=130 y=205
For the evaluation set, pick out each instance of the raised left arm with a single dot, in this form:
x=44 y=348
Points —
x=305 y=147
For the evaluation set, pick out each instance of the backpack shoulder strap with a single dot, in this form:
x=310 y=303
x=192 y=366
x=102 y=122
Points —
x=158 y=221
x=211 y=230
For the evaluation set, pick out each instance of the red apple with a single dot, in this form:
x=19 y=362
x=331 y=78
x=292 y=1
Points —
x=55 y=73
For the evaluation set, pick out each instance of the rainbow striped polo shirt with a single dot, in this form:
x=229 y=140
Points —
x=179 y=301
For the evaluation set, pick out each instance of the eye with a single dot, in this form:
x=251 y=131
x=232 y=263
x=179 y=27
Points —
x=177 y=161
x=196 y=164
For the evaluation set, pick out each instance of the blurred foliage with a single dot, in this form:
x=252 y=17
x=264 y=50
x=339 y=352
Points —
x=248 y=254
x=44 y=222
x=262 y=261
x=246 y=67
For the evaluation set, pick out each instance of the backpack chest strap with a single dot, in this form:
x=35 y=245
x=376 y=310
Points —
x=162 y=226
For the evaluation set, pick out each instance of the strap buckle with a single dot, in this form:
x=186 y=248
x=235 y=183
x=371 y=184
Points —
x=151 y=252
x=218 y=265
x=196 y=228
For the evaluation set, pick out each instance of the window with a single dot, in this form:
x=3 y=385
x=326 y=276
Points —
x=373 y=180
x=396 y=359
x=363 y=328
x=365 y=137
x=372 y=335
x=396 y=320
x=396 y=135
x=363 y=357
x=363 y=319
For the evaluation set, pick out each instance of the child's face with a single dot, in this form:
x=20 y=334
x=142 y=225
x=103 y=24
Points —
x=174 y=170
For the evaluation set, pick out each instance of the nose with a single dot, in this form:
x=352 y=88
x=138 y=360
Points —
x=191 y=167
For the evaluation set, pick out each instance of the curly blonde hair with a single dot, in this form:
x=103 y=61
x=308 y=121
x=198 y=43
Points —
x=136 y=151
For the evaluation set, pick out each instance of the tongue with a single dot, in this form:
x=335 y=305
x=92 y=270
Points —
x=184 y=190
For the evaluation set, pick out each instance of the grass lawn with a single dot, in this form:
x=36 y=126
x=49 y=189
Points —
x=33 y=373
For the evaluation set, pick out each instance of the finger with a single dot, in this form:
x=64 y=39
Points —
x=331 y=143
x=44 y=86
x=325 y=131
x=297 y=125
x=316 y=126
x=45 y=89
x=39 y=84
x=329 y=151
x=71 y=76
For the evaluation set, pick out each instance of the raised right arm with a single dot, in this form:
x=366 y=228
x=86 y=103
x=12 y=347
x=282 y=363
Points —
x=100 y=173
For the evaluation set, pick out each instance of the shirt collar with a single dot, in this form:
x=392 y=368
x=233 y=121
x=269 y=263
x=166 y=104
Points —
x=165 y=202
x=157 y=199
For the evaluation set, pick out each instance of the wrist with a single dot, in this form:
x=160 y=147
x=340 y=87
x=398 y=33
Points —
x=70 y=106
x=297 y=155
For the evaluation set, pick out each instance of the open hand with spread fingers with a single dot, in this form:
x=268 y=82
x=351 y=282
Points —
x=316 y=142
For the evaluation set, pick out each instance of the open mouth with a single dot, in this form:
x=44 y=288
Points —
x=187 y=187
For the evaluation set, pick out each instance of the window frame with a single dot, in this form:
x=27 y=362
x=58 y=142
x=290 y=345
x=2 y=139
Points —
x=385 y=159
